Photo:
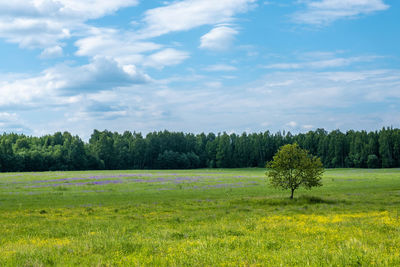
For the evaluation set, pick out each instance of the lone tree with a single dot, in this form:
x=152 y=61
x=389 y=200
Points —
x=293 y=167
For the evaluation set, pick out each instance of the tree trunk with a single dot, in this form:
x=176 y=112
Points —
x=291 y=196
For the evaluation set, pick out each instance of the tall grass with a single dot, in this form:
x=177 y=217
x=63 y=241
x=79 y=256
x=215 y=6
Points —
x=198 y=218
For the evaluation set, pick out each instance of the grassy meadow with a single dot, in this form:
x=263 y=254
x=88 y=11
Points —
x=205 y=217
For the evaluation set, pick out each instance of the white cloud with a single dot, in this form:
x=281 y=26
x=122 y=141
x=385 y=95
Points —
x=59 y=84
x=166 y=57
x=321 y=64
x=292 y=124
x=91 y=9
x=290 y=100
x=220 y=38
x=51 y=52
x=103 y=42
x=283 y=66
x=327 y=89
x=33 y=32
x=112 y=88
x=25 y=91
x=45 y=23
x=310 y=99
x=101 y=74
x=188 y=14
x=7 y=116
x=175 y=16
x=94 y=110
x=308 y=126
x=301 y=100
x=326 y=11
x=11 y=122
x=88 y=9
x=220 y=67
x=213 y=84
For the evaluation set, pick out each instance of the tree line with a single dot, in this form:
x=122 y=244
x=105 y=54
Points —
x=177 y=150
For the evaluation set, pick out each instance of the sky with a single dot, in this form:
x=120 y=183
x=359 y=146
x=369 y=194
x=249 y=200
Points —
x=198 y=65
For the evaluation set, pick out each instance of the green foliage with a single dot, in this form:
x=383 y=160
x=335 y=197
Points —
x=293 y=167
x=373 y=161
x=112 y=150
x=175 y=160
x=224 y=151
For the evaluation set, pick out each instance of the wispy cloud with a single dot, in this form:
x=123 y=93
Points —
x=166 y=57
x=188 y=14
x=336 y=89
x=295 y=100
x=290 y=100
x=218 y=39
x=133 y=46
x=95 y=110
x=12 y=123
x=322 y=64
x=44 y=24
x=103 y=42
x=220 y=67
x=52 y=52
x=327 y=11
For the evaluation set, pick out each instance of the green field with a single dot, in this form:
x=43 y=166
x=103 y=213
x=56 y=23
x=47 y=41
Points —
x=205 y=217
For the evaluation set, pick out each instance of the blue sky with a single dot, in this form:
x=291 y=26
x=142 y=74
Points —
x=198 y=65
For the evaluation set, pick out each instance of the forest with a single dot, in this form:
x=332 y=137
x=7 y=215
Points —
x=177 y=150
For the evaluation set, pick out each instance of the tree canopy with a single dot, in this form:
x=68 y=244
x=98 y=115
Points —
x=177 y=150
x=293 y=167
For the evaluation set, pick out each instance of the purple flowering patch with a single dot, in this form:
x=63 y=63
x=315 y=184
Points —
x=175 y=178
x=60 y=180
x=104 y=182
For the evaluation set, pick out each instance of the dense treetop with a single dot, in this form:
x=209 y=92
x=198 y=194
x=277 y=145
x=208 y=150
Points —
x=177 y=150
x=293 y=167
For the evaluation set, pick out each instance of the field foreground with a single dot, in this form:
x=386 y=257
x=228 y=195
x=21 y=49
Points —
x=198 y=218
